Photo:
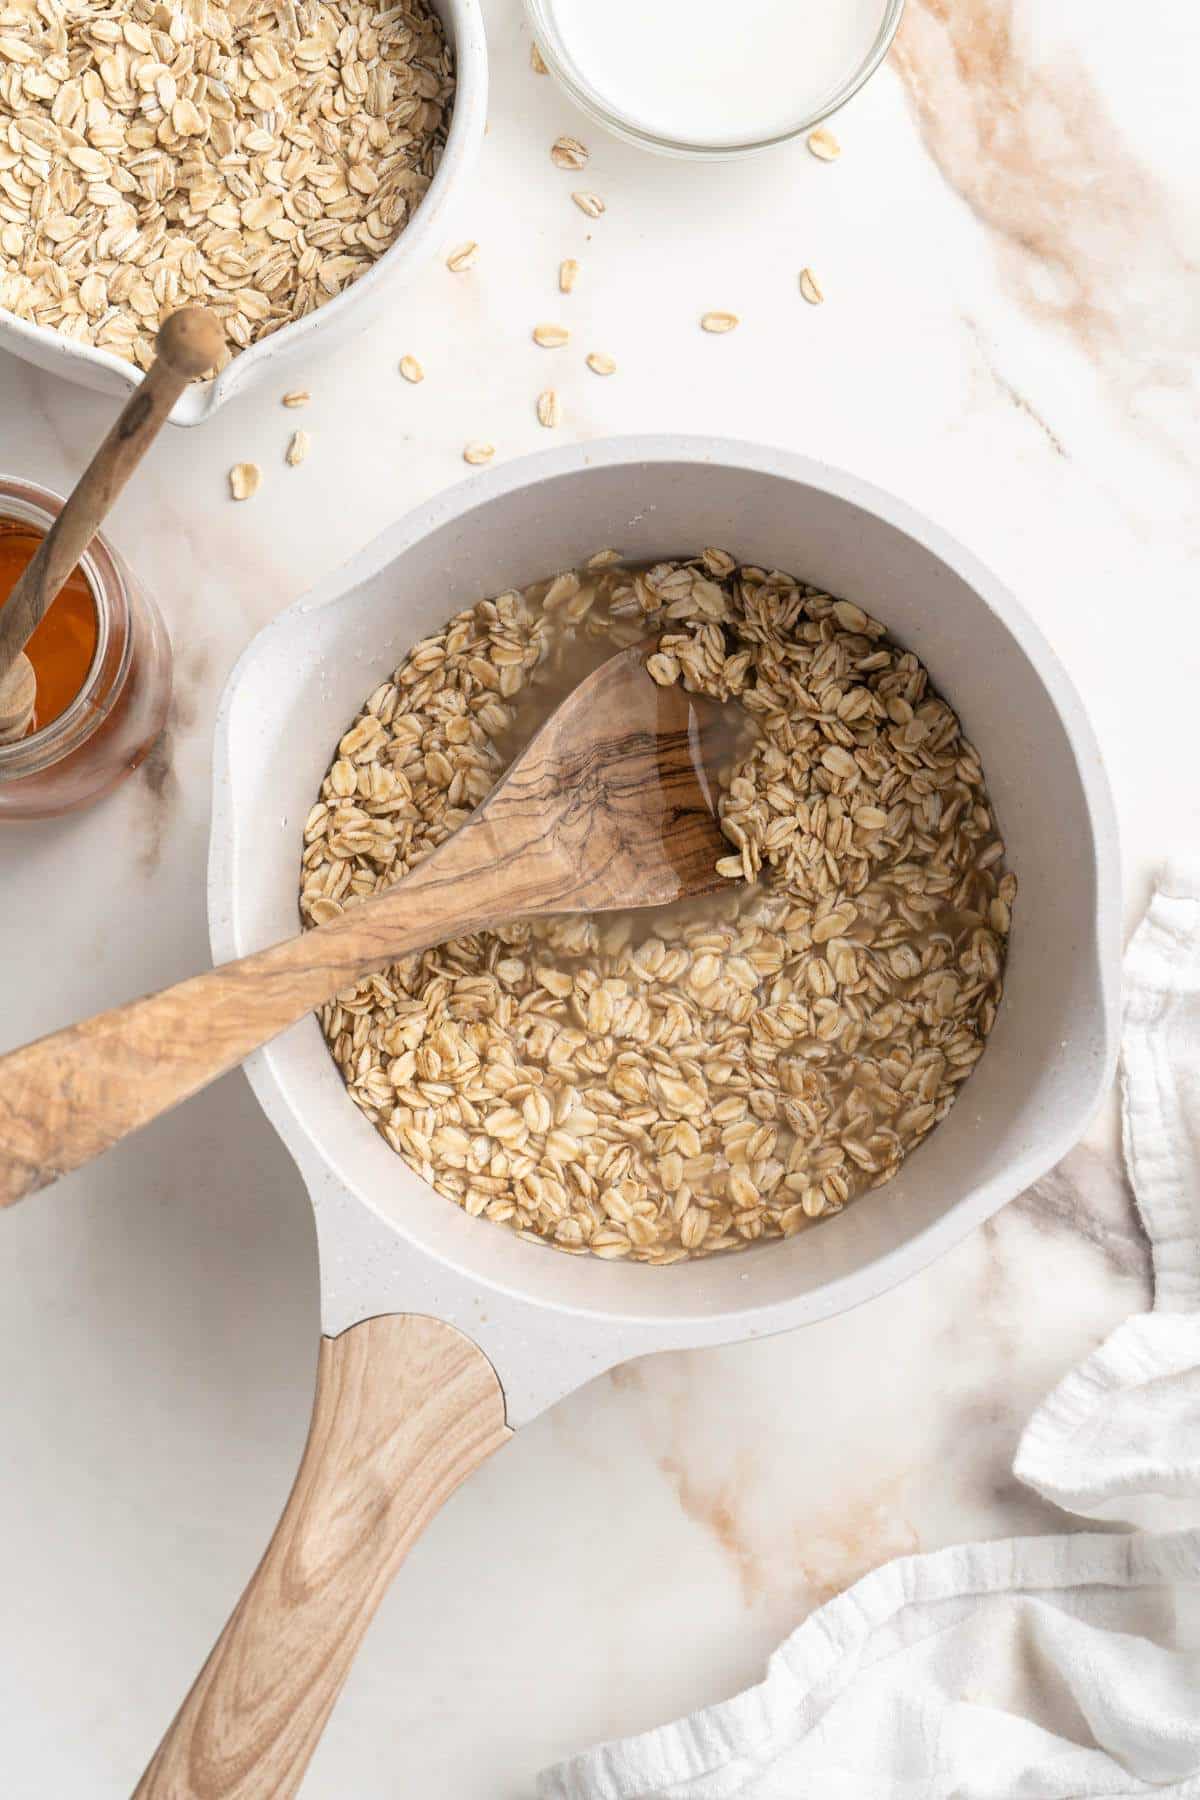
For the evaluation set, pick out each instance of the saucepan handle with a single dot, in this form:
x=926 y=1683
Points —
x=405 y=1409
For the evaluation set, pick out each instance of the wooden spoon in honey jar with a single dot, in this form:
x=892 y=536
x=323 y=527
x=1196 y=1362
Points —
x=611 y=805
x=188 y=345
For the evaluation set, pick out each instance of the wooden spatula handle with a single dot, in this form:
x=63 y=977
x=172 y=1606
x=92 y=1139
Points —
x=405 y=1409
x=73 y=1094
x=70 y=1096
x=188 y=344
x=604 y=808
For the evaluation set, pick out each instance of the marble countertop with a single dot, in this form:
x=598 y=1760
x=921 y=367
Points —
x=1009 y=249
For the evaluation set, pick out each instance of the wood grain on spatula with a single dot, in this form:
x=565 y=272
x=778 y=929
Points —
x=612 y=805
x=406 y=1408
x=188 y=345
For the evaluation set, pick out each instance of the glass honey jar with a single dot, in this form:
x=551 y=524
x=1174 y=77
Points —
x=102 y=660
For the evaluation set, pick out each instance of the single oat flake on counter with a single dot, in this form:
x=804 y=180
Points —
x=810 y=287
x=245 y=479
x=823 y=145
x=568 y=153
x=549 y=409
x=680 y=1081
x=254 y=159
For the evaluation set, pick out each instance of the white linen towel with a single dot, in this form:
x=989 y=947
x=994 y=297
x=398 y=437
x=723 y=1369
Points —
x=1045 y=1668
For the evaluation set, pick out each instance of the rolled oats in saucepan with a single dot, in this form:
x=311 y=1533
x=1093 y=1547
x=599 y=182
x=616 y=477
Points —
x=676 y=1082
x=255 y=158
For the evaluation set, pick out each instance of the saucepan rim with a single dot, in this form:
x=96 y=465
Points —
x=970 y=1206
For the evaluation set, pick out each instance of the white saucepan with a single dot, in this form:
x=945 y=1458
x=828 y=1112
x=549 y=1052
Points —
x=442 y=1333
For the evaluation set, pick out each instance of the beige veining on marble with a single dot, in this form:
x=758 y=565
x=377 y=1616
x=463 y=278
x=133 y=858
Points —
x=1086 y=234
x=832 y=1541
x=931 y=1475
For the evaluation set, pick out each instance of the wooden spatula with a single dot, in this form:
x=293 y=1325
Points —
x=188 y=345
x=612 y=805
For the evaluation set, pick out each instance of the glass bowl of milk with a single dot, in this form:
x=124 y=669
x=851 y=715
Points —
x=709 y=79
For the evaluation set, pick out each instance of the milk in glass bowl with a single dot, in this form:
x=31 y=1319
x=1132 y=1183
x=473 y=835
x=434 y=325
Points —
x=703 y=78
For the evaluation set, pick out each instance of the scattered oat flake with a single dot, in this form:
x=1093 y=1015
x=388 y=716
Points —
x=476 y=452
x=551 y=337
x=297 y=397
x=600 y=363
x=591 y=204
x=549 y=409
x=568 y=275
x=245 y=479
x=568 y=153
x=297 y=450
x=824 y=145
x=535 y=61
x=719 y=321
x=810 y=287
x=411 y=369
x=465 y=257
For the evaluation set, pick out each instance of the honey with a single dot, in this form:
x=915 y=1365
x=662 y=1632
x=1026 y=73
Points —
x=63 y=647
x=102 y=666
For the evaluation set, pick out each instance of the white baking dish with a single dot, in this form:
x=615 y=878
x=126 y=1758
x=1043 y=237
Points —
x=346 y=313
